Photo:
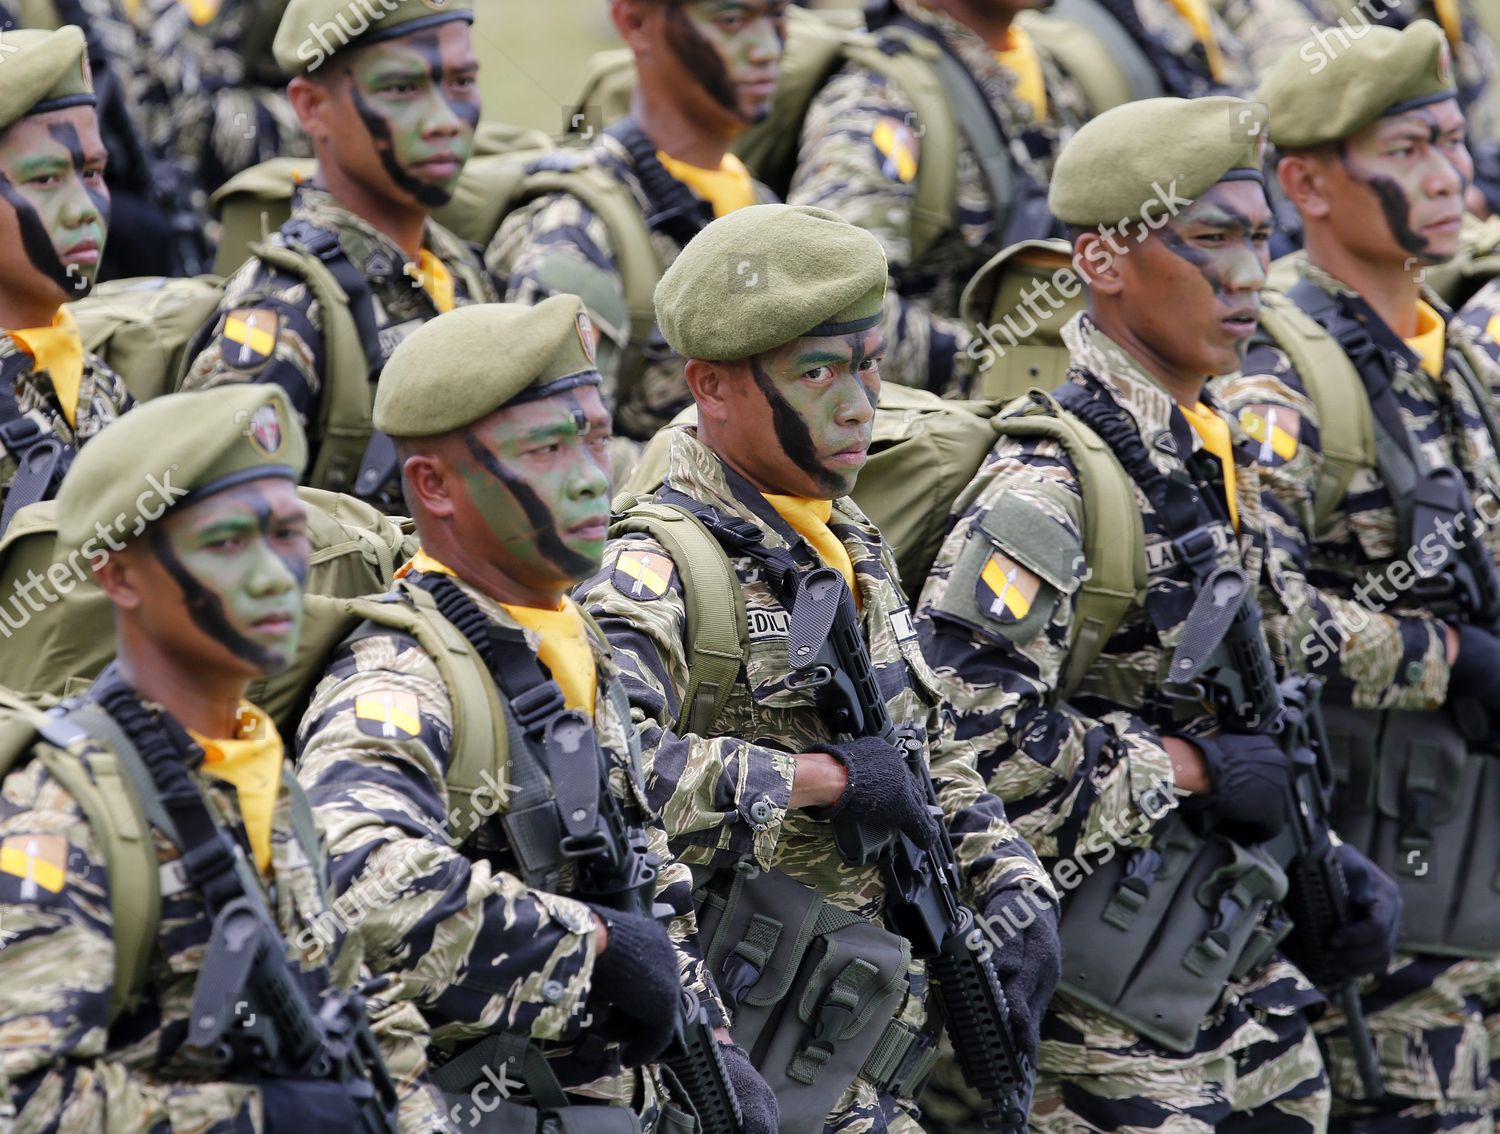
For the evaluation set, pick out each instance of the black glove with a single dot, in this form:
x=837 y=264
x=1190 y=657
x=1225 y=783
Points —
x=1028 y=964
x=1248 y=778
x=1365 y=947
x=881 y=789
x=758 y=1105
x=293 y=1106
x=637 y=976
x=1476 y=669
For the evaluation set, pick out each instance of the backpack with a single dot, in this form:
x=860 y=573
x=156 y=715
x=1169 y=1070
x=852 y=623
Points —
x=57 y=650
x=1096 y=51
x=1024 y=347
x=923 y=459
x=116 y=794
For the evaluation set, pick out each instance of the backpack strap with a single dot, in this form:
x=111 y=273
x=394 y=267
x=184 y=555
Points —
x=1345 y=425
x=1124 y=52
x=1117 y=566
x=718 y=633
x=41 y=457
x=350 y=347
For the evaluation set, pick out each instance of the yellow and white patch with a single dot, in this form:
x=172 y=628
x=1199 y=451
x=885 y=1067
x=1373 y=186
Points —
x=643 y=574
x=249 y=336
x=389 y=714
x=896 y=142
x=1276 y=428
x=1006 y=590
x=39 y=861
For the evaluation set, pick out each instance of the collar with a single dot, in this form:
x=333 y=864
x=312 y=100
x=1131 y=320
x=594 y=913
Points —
x=367 y=247
x=1357 y=308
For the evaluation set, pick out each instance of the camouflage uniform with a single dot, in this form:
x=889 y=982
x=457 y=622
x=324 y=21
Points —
x=1090 y=774
x=62 y=1066
x=1180 y=58
x=1270 y=28
x=294 y=359
x=556 y=244
x=1426 y=1013
x=724 y=798
x=1480 y=313
x=102 y=397
x=475 y=946
x=841 y=168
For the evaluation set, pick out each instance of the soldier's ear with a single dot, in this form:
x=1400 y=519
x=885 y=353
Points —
x=632 y=21
x=118 y=576
x=310 y=99
x=1096 y=257
x=1304 y=180
x=710 y=385
x=429 y=483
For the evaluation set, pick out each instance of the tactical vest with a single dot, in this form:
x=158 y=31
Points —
x=1413 y=792
x=120 y=799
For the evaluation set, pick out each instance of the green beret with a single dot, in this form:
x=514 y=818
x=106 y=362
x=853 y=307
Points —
x=44 y=70
x=1148 y=157
x=173 y=450
x=1333 y=84
x=313 y=30
x=765 y=275
x=466 y=364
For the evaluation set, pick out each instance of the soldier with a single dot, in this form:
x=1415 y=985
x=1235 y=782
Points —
x=785 y=375
x=390 y=101
x=706 y=71
x=1378 y=177
x=1148 y=1031
x=504 y=442
x=190 y=522
x=862 y=148
x=54 y=213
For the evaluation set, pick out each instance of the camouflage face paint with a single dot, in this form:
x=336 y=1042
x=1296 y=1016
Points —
x=52 y=175
x=1224 y=243
x=733 y=48
x=1397 y=159
x=809 y=392
x=418 y=98
x=240 y=558
x=540 y=479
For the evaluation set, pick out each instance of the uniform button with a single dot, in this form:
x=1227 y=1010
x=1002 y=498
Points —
x=760 y=811
x=553 y=991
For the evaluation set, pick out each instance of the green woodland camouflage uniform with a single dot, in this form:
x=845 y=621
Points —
x=284 y=307
x=64 y=1067
x=724 y=798
x=556 y=244
x=1091 y=774
x=1427 y=1013
x=842 y=168
x=102 y=397
x=476 y=948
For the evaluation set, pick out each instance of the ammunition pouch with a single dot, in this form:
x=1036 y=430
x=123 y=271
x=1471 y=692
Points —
x=1421 y=804
x=1154 y=935
x=813 y=991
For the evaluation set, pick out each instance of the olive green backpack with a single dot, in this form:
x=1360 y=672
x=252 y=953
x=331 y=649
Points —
x=924 y=455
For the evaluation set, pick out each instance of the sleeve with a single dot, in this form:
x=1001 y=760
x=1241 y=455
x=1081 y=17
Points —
x=674 y=888
x=860 y=150
x=469 y=941
x=721 y=792
x=994 y=621
x=56 y=973
x=265 y=334
x=1379 y=660
x=402 y=1033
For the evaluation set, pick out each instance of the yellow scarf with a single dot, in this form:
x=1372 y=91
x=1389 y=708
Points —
x=435 y=279
x=809 y=519
x=1020 y=58
x=251 y=762
x=1196 y=13
x=1213 y=431
x=58 y=350
x=1447 y=14
x=564 y=648
x=201 y=12
x=727 y=188
x=1431 y=339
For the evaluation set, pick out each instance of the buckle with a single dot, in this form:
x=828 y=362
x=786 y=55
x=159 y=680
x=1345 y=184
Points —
x=1197 y=546
x=537 y=704
x=19 y=434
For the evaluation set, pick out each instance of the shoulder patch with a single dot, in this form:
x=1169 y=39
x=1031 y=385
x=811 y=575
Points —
x=1276 y=428
x=248 y=340
x=388 y=714
x=643 y=574
x=1005 y=590
x=896 y=142
x=40 y=861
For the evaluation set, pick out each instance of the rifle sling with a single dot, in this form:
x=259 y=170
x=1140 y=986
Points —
x=41 y=458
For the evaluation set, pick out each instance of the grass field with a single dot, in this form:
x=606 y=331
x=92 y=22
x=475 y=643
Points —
x=532 y=56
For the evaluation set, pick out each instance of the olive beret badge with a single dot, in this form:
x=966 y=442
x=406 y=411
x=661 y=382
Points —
x=264 y=430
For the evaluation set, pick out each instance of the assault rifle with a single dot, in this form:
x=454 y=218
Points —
x=829 y=656
x=1238 y=677
x=251 y=1009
